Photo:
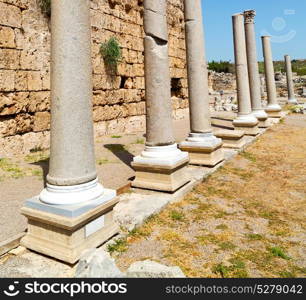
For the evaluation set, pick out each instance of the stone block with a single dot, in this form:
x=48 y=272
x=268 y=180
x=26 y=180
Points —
x=9 y=58
x=7 y=37
x=7 y=80
x=158 y=177
x=10 y=15
x=41 y=121
x=253 y=131
x=66 y=238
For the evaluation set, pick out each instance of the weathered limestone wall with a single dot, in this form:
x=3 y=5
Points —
x=119 y=103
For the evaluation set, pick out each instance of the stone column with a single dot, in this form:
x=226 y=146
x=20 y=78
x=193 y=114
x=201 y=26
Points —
x=245 y=120
x=203 y=147
x=60 y=217
x=273 y=109
x=161 y=166
x=253 y=70
x=290 y=85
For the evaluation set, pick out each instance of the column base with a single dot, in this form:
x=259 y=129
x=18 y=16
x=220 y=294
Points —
x=274 y=111
x=161 y=168
x=65 y=231
x=233 y=139
x=204 y=149
x=292 y=101
x=248 y=123
x=265 y=124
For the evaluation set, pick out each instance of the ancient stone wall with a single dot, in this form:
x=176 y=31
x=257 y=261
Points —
x=118 y=100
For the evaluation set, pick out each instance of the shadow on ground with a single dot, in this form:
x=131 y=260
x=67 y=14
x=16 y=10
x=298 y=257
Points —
x=120 y=151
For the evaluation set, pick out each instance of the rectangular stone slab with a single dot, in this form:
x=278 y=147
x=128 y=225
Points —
x=65 y=238
x=160 y=178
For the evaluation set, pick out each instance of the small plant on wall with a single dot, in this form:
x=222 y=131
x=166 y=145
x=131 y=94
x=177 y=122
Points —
x=111 y=53
x=45 y=6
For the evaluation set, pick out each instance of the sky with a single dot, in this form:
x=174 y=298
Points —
x=284 y=20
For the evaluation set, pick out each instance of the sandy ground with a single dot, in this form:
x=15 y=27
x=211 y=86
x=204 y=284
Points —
x=246 y=220
x=23 y=177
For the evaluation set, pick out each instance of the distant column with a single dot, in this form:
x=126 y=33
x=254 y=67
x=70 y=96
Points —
x=245 y=120
x=253 y=70
x=290 y=85
x=203 y=147
x=161 y=166
x=273 y=109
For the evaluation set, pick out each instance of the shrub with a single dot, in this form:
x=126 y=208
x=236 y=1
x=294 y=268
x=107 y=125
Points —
x=111 y=53
x=221 y=66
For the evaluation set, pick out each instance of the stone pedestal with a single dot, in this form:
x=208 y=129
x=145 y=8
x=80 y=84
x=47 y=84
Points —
x=65 y=231
x=161 y=166
x=74 y=211
x=290 y=86
x=245 y=120
x=273 y=109
x=253 y=70
x=234 y=139
x=203 y=147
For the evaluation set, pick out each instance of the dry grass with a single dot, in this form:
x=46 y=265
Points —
x=246 y=220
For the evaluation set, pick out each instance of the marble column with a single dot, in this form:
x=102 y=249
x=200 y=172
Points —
x=290 y=85
x=253 y=70
x=73 y=197
x=203 y=147
x=273 y=108
x=245 y=120
x=161 y=166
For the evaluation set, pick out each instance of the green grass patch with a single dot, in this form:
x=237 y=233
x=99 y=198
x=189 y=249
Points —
x=176 y=215
x=227 y=246
x=235 y=270
x=118 y=246
x=249 y=156
x=116 y=136
x=279 y=252
x=222 y=227
x=255 y=237
x=139 y=141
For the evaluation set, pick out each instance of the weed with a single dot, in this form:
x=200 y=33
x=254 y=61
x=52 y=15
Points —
x=119 y=245
x=254 y=237
x=176 y=215
x=279 y=252
x=227 y=246
x=222 y=227
x=111 y=53
x=116 y=136
x=140 y=141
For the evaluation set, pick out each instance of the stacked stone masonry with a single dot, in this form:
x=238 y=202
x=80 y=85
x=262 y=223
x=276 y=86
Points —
x=118 y=100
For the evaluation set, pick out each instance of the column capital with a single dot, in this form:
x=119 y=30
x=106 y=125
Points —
x=249 y=16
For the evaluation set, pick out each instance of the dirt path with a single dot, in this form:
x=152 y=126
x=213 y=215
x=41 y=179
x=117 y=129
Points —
x=246 y=220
